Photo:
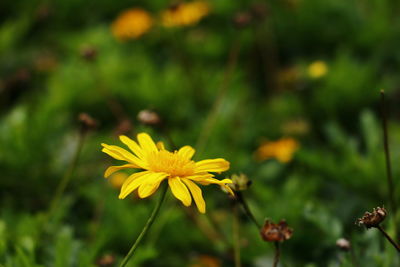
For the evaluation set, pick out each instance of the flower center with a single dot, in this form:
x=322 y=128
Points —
x=171 y=163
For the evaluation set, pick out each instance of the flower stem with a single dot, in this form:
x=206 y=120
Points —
x=67 y=177
x=389 y=238
x=222 y=92
x=242 y=201
x=146 y=227
x=277 y=254
x=390 y=183
x=236 y=235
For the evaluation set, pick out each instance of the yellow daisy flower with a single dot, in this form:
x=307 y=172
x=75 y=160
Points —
x=131 y=24
x=184 y=14
x=282 y=150
x=183 y=174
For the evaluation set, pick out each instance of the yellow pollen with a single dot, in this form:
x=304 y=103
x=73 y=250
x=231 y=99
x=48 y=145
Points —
x=171 y=163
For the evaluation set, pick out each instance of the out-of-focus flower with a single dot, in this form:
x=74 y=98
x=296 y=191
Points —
x=206 y=261
x=149 y=117
x=276 y=232
x=158 y=165
x=131 y=24
x=117 y=179
x=343 y=244
x=185 y=14
x=282 y=150
x=372 y=219
x=317 y=69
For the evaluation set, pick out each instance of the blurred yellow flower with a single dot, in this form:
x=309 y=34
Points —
x=182 y=173
x=117 y=179
x=282 y=150
x=131 y=24
x=184 y=14
x=317 y=69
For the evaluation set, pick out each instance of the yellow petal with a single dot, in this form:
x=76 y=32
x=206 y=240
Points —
x=212 y=165
x=160 y=145
x=207 y=181
x=146 y=143
x=186 y=152
x=110 y=170
x=133 y=182
x=229 y=189
x=121 y=154
x=132 y=145
x=180 y=191
x=151 y=185
x=197 y=195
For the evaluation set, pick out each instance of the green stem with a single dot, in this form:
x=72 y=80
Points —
x=277 y=254
x=395 y=245
x=242 y=201
x=222 y=92
x=67 y=177
x=390 y=182
x=236 y=235
x=150 y=221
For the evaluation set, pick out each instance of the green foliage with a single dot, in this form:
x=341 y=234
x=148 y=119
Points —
x=233 y=87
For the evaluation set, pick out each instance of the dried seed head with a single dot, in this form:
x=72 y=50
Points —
x=149 y=117
x=242 y=19
x=343 y=244
x=240 y=182
x=87 y=122
x=260 y=10
x=272 y=232
x=106 y=260
x=89 y=54
x=372 y=219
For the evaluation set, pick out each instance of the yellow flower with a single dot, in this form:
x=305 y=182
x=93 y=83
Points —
x=282 y=150
x=317 y=69
x=158 y=164
x=131 y=23
x=185 y=14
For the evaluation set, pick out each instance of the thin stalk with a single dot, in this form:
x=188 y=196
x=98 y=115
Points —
x=67 y=177
x=150 y=221
x=390 y=182
x=213 y=114
x=277 y=254
x=353 y=257
x=242 y=201
x=395 y=245
x=236 y=235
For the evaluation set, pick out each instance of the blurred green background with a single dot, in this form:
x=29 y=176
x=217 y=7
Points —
x=245 y=73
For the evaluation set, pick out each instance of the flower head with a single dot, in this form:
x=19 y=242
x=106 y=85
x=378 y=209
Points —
x=184 y=14
x=282 y=149
x=131 y=24
x=158 y=164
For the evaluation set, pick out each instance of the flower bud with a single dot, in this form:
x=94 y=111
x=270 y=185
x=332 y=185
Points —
x=149 y=117
x=343 y=244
